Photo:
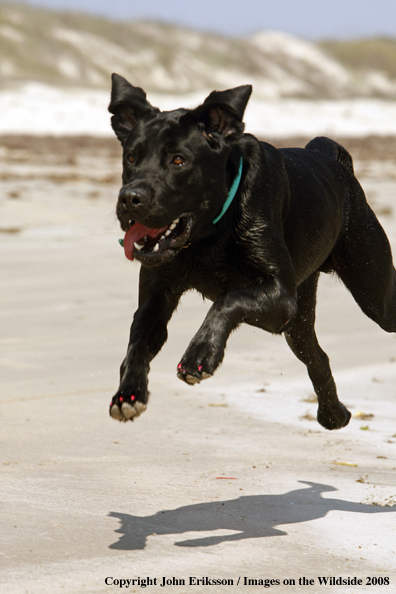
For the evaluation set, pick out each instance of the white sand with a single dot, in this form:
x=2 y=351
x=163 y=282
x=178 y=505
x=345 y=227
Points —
x=85 y=498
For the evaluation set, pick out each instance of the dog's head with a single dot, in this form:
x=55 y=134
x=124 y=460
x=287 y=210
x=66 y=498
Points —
x=176 y=168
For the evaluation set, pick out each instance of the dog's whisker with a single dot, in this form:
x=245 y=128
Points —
x=111 y=215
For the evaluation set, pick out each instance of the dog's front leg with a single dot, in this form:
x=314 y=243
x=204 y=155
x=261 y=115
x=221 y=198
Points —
x=147 y=336
x=269 y=306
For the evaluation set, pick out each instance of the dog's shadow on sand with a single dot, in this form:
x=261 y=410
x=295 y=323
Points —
x=253 y=516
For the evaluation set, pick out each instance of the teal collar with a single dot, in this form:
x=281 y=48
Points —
x=231 y=193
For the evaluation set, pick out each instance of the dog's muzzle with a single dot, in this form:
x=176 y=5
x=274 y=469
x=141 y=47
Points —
x=155 y=246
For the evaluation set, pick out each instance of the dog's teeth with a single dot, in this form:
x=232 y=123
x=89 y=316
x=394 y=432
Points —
x=156 y=248
x=169 y=231
x=138 y=247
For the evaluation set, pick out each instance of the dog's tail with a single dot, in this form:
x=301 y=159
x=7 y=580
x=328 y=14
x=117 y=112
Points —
x=331 y=148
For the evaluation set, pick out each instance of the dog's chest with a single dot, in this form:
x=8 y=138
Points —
x=212 y=278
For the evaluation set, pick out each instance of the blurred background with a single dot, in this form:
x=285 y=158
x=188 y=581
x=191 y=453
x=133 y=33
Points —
x=56 y=57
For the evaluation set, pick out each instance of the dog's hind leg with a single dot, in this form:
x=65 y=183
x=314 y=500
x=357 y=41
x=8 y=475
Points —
x=301 y=338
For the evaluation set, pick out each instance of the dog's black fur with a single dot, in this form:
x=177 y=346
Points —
x=297 y=212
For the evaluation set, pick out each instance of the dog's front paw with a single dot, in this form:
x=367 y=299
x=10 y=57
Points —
x=126 y=408
x=199 y=362
x=333 y=416
x=194 y=376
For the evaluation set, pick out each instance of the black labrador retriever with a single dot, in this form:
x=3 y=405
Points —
x=206 y=207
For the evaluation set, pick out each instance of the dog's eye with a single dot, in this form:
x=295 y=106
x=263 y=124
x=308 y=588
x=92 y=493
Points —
x=178 y=160
x=131 y=158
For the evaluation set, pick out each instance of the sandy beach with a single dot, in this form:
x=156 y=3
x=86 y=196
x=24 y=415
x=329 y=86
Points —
x=230 y=480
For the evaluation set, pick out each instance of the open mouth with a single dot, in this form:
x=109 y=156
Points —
x=149 y=245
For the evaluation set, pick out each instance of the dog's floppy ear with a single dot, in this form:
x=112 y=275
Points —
x=128 y=104
x=222 y=112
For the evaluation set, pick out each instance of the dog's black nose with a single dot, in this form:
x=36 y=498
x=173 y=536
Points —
x=131 y=197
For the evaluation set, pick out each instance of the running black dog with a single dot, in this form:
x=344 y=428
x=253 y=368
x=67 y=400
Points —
x=207 y=207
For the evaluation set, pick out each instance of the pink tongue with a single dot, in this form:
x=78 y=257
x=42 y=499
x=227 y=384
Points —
x=135 y=234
